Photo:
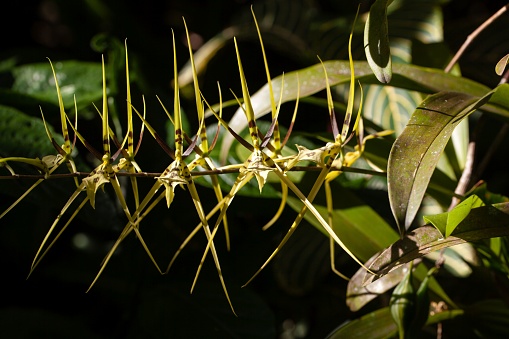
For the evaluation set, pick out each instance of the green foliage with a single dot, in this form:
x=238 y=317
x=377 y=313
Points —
x=379 y=125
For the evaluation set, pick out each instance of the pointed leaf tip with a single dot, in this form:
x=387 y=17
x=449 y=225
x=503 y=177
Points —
x=500 y=67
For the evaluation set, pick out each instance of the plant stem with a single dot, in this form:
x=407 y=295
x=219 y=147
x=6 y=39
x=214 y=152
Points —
x=473 y=35
x=196 y=173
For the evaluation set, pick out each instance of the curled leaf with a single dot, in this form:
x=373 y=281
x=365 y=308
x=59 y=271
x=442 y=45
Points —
x=376 y=41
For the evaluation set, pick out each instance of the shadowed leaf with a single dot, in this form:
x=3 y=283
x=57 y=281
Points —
x=377 y=324
x=481 y=223
x=376 y=41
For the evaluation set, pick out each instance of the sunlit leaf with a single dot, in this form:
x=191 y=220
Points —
x=447 y=222
x=501 y=64
x=487 y=196
x=416 y=152
x=312 y=80
x=390 y=107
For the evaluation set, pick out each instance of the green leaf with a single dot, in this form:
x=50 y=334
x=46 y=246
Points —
x=444 y=315
x=376 y=41
x=488 y=197
x=74 y=77
x=416 y=152
x=24 y=136
x=447 y=222
x=402 y=304
x=500 y=67
x=312 y=80
x=500 y=99
x=481 y=223
x=389 y=107
x=355 y=226
x=358 y=294
x=377 y=324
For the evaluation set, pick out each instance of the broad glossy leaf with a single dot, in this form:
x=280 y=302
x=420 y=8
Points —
x=481 y=223
x=416 y=152
x=312 y=80
x=376 y=41
x=74 y=77
x=377 y=324
x=441 y=186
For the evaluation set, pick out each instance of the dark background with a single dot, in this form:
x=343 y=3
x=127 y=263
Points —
x=131 y=300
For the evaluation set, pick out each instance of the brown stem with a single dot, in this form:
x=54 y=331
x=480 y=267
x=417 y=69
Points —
x=473 y=35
